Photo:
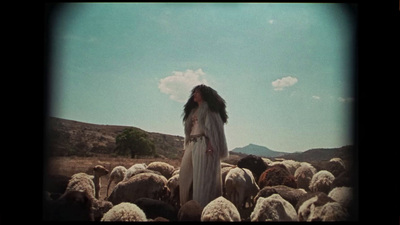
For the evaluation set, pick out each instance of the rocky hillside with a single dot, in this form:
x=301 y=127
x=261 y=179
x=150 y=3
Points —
x=67 y=137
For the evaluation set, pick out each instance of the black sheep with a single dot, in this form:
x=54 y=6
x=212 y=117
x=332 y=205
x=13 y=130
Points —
x=156 y=208
x=254 y=163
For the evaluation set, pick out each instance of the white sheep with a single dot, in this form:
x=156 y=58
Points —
x=125 y=211
x=304 y=174
x=81 y=182
x=322 y=181
x=148 y=185
x=240 y=187
x=164 y=168
x=133 y=169
x=88 y=183
x=342 y=195
x=224 y=172
x=220 y=209
x=307 y=207
x=273 y=208
x=117 y=175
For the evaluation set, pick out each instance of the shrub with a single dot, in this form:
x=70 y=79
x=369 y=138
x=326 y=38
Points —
x=134 y=142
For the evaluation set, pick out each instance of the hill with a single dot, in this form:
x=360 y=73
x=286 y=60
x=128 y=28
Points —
x=68 y=137
x=262 y=151
x=321 y=154
x=312 y=155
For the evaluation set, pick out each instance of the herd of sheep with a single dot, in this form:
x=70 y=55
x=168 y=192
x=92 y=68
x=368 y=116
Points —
x=256 y=189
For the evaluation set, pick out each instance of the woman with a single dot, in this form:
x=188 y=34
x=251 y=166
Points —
x=205 y=145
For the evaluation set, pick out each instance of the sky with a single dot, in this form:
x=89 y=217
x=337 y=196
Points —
x=285 y=70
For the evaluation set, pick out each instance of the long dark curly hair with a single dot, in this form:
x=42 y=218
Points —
x=215 y=102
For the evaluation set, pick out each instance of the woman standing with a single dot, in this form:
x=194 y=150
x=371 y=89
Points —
x=205 y=145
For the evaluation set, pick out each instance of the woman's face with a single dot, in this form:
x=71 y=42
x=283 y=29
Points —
x=197 y=96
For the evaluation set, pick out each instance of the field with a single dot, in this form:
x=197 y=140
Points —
x=68 y=166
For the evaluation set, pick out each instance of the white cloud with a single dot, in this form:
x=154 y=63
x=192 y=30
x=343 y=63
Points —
x=284 y=82
x=316 y=97
x=179 y=84
x=271 y=21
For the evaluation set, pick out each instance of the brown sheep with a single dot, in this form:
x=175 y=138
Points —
x=276 y=175
x=190 y=211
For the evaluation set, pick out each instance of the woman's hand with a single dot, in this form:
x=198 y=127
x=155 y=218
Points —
x=210 y=149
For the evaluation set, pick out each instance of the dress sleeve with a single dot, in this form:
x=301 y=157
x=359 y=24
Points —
x=214 y=130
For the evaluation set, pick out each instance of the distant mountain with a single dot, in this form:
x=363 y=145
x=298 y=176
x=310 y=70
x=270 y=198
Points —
x=311 y=155
x=262 y=151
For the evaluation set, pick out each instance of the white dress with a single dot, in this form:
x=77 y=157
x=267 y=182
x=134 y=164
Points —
x=199 y=168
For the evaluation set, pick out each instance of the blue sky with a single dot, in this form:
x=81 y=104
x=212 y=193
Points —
x=285 y=70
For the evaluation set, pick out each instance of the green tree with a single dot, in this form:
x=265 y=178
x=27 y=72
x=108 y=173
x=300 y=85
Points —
x=134 y=142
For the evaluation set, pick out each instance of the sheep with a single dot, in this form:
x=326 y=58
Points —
x=277 y=175
x=308 y=202
x=336 y=166
x=291 y=165
x=125 y=211
x=141 y=185
x=291 y=195
x=98 y=171
x=220 y=209
x=254 y=163
x=240 y=187
x=81 y=182
x=224 y=172
x=322 y=181
x=224 y=164
x=345 y=179
x=138 y=166
x=303 y=175
x=273 y=208
x=136 y=172
x=84 y=182
x=173 y=186
x=71 y=206
x=190 y=211
x=56 y=184
x=266 y=161
x=157 y=208
x=117 y=174
x=342 y=195
x=331 y=211
x=175 y=172
x=164 y=168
